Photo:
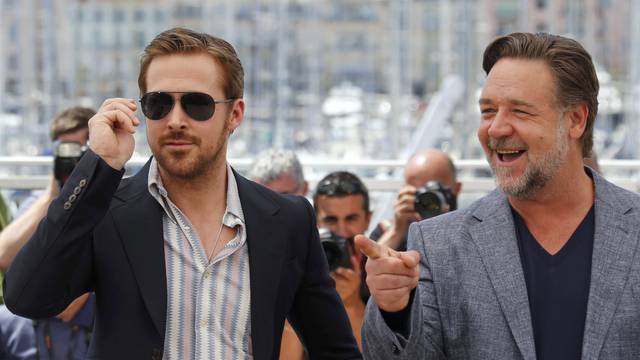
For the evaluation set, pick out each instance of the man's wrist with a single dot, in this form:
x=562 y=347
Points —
x=400 y=226
x=115 y=164
x=47 y=197
x=398 y=321
x=353 y=302
x=395 y=237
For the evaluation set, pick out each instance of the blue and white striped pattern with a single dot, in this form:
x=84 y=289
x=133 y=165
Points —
x=208 y=303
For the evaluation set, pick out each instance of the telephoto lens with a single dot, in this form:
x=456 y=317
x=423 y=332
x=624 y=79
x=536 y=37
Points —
x=336 y=249
x=66 y=156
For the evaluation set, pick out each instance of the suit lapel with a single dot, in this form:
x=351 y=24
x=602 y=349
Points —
x=495 y=237
x=266 y=240
x=613 y=250
x=139 y=222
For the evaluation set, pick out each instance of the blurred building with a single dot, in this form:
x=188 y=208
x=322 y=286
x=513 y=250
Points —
x=296 y=53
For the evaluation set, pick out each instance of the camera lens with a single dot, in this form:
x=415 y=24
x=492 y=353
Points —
x=67 y=155
x=69 y=149
x=336 y=249
x=428 y=204
x=333 y=254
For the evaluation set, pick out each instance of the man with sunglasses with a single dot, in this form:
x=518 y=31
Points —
x=188 y=259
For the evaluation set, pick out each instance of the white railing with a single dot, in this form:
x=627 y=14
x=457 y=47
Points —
x=625 y=173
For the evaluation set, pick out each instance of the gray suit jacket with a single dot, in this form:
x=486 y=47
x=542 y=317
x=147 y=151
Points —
x=471 y=301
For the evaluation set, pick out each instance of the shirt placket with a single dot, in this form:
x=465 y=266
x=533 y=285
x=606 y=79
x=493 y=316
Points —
x=204 y=345
x=202 y=319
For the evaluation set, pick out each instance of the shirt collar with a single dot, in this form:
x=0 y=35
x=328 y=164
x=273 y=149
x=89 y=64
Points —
x=157 y=190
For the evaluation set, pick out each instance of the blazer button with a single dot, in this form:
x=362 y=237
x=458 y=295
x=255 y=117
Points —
x=82 y=183
x=67 y=205
x=72 y=197
x=395 y=350
x=76 y=190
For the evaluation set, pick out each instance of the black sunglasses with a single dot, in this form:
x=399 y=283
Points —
x=199 y=106
x=339 y=187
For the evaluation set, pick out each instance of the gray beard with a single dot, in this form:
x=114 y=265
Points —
x=525 y=187
x=537 y=174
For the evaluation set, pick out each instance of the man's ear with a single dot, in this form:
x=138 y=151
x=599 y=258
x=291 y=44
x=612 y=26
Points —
x=457 y=187
x=236 y=115
x=578 y=115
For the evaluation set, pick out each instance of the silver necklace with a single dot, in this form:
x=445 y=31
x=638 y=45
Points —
x=217 y=240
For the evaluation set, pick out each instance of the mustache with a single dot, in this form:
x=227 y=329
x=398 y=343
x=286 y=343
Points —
x=508 y=143
x=179 y=136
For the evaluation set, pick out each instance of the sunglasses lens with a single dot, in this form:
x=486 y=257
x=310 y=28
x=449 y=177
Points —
x=198 y=106
x=156 y=105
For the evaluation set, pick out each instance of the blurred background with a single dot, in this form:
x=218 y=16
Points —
x=359 y=84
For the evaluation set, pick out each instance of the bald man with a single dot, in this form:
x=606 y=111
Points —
x=423 y=167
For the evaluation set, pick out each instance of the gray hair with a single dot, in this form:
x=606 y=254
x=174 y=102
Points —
x=273 y=163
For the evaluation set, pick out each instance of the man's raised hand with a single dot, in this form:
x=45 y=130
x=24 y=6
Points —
x=111 y=131
x=391 y=275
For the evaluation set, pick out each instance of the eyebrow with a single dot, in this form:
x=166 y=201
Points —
x=329 y=218
x=485 y=101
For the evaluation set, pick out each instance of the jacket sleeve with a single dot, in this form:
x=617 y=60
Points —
x=424 y=339
x=55 y=265
x=318 y=314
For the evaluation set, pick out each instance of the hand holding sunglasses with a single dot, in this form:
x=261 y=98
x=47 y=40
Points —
x=199 y=106
x=111 y=131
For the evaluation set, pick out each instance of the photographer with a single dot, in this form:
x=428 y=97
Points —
x=341 y=202
x=431 y=175
x=66 y=335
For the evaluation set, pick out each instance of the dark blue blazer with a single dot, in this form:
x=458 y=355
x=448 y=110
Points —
x=105 y=235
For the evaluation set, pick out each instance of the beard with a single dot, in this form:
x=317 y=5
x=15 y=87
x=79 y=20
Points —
x=537 y=174
x=192 y=164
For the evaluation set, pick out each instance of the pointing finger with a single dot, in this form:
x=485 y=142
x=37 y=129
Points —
x=368 y=247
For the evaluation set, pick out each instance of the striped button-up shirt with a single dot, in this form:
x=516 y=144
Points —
x=208 y=302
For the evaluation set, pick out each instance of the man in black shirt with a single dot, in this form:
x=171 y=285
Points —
x=558 y=288
x=545 y=266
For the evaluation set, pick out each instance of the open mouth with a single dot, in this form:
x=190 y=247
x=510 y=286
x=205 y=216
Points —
x=509 y=155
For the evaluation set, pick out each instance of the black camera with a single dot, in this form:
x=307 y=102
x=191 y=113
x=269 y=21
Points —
x=434 y=199
x=336 y=249
x=66 y=156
